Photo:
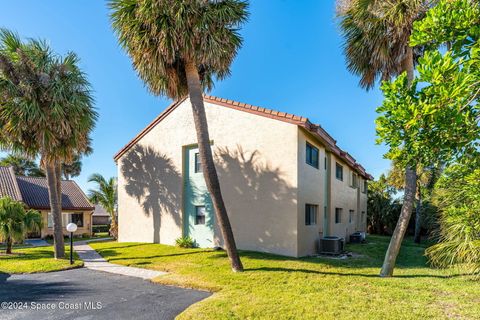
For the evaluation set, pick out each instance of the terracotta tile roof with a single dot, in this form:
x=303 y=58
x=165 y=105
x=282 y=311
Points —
x=8 y=184
x=320 y=133
x=35 y=194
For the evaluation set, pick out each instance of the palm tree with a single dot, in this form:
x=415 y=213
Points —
x=46 y=110
x=105 y=195
x=178 y=48
x=72 y=169
x=426 y=179
x=376 y=46
x=22 y=166
x=16 y=222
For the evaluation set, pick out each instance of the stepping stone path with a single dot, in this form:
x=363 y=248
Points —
x=92 y=260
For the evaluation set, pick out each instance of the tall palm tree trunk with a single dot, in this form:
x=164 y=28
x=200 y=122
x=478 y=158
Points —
x=408 y=198
x=56 y=209
x=418 y=214
x=9 y=245
x=208 y=165
x=113 y=225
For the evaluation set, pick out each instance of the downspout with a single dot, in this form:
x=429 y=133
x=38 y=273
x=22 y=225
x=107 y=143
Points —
x=327 y=196
x=358 y=215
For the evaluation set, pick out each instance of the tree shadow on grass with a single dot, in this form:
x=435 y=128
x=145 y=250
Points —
x=347 y=274
x=37 y=254
x=154 y=256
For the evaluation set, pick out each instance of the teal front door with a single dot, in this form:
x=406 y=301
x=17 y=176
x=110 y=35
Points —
x=198 y=222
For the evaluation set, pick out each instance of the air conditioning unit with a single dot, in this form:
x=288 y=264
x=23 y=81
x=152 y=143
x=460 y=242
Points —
x=356 y=237
x=331 y=245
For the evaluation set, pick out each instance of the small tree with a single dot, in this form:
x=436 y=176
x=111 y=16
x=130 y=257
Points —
x=105 y=195
x=435 y=116
x=458 y=197
x=16 y=222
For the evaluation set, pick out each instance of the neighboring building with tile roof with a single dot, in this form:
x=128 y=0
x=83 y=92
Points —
x=284 y=180
x=33 y=191
x=100 y=216
x=8 y=184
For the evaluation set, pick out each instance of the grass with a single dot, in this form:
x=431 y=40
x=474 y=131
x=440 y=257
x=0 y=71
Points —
x=35 y=259
x=274 y=287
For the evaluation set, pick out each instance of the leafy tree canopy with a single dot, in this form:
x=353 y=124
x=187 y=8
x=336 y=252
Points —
x=436 y=118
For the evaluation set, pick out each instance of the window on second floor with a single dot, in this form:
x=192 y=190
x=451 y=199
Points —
x=339 y=171
x=351 y=213
x=354 y=180
x=365 y=186
x=312 y=155
x=311 y=214
x=338 y=215
x=198 y=164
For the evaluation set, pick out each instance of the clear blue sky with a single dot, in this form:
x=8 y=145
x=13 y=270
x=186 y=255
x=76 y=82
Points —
x=291 y=60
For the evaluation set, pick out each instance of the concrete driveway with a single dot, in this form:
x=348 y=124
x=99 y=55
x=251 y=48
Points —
x=88 y=294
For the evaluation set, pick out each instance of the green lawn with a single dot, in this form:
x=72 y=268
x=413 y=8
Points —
x=35 y=259
x=275 y=287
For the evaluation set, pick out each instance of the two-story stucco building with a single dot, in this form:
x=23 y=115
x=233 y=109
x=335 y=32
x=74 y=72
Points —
x=284 y=180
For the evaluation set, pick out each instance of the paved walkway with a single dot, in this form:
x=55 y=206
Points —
x=82 y=294
x=94 y=261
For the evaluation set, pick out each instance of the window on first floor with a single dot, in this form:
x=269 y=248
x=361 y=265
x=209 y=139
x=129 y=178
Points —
x=77 y=218
x=200 y=212
x=312 y=155
x=49 y=220
x=339 y=171
x=338 y=215
x=311 y=214
x=351 y=213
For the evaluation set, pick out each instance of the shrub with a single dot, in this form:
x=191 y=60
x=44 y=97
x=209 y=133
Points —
x=48 y=237
x=100 y=228
x=185 y=242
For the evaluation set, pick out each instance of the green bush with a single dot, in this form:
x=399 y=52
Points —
x=100 y=228
x=185 y=242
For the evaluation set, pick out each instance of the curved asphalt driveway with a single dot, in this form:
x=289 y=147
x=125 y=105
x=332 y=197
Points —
x=88 y=294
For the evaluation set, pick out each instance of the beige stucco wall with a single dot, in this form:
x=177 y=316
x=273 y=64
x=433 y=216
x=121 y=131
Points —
x=344 y=197
x=256 y=160
x=311 y=190
x=86 y=229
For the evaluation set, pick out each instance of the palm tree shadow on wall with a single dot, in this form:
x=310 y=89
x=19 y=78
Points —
x=152 y=179
x=258 y=194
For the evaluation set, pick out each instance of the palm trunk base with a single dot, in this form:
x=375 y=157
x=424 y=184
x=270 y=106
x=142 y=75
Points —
x=402 y=224
x=9 y=246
